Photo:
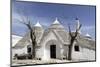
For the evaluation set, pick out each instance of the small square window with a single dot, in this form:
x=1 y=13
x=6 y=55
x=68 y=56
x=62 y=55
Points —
x=29 y=49
x=76 y=48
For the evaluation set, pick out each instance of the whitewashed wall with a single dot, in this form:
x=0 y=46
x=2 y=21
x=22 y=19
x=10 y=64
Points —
x=44 y=52
x=65 y=53
x=84 y=54
x=19 y=51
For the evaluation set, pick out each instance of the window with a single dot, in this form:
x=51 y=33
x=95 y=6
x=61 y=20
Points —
x=29 y=49
x=76 y=47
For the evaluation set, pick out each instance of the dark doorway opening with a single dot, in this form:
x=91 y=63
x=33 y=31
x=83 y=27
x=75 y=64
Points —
x=76 y=47
x=53 y=51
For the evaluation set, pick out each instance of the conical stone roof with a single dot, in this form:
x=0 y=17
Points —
x=56 y=25
x=87 y=35
x=38 y=24
x=56 y=21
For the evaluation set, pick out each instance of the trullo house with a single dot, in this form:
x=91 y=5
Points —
x=53 y=43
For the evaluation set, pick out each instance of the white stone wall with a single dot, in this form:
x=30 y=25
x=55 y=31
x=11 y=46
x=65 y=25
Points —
x=39 y=52
x=84 y=54
x=19 y=51
x=65 y=53
x=43 y=52
x=45 y=49
x=88 y=54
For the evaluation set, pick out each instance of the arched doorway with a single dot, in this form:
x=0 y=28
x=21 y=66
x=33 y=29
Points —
x=52 y=49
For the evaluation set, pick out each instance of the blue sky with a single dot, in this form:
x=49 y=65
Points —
x=46 y=13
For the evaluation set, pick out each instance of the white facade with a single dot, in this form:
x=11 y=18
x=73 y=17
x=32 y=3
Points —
x=54 y=43
x=84 y=54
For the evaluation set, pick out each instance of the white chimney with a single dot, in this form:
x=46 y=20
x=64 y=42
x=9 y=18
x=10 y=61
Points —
x=78 y=24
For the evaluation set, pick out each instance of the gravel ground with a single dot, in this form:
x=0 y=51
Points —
x=24 y=62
